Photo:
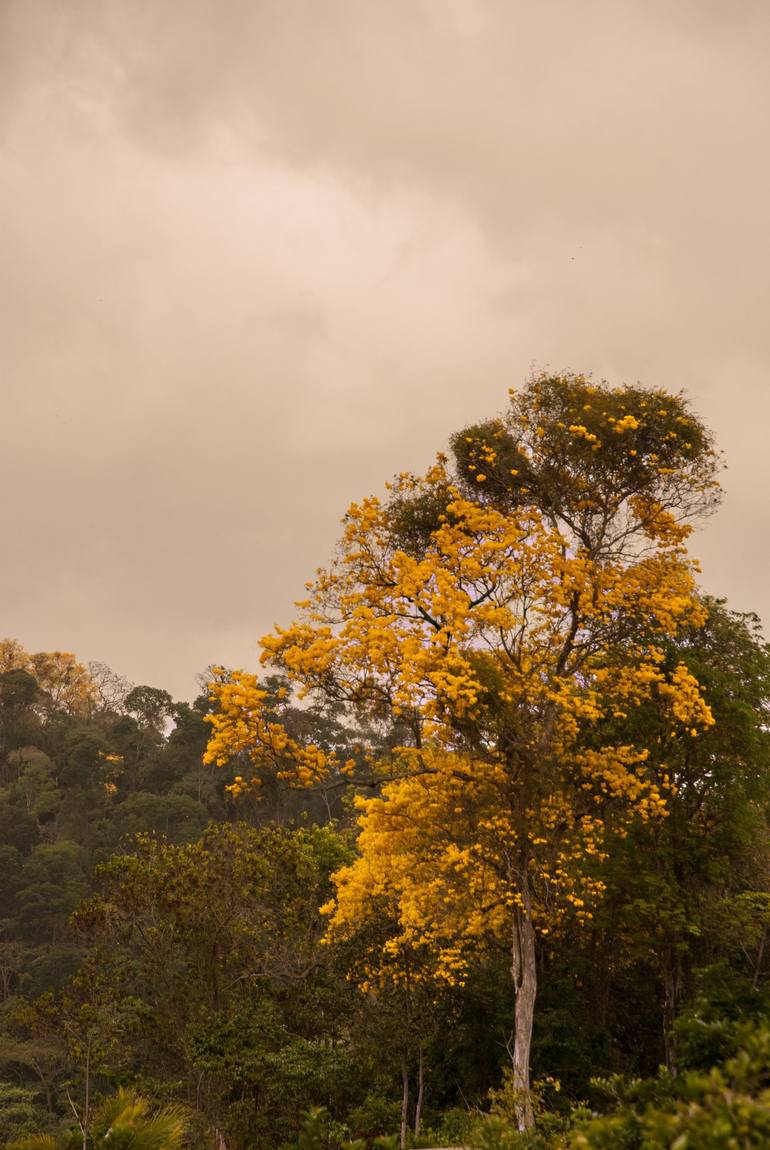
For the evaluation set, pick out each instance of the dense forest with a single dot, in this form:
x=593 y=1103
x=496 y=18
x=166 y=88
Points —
x=480 y=858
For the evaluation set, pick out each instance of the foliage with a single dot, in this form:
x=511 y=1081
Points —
x=319 y=1132
x=728 y=1107
x=125 y=1121
x=214 y=946
x=21 y=1112
x=62 y=682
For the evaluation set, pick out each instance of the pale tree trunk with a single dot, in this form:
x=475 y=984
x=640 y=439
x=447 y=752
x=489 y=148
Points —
x=420 y=1093
x=404 y=1100
x=524 y=973
x=219 y=1139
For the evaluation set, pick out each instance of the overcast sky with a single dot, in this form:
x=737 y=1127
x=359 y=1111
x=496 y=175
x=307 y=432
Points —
x=258 y=255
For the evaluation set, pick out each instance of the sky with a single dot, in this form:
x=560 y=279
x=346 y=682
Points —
x=257 y=256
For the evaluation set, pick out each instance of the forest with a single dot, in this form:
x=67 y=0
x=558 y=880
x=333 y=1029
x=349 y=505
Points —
x=478 y=856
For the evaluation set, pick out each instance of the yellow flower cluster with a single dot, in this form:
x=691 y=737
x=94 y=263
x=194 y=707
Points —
x=239 y=727
x=582 y=432
x=686 y=702
x=627 y=423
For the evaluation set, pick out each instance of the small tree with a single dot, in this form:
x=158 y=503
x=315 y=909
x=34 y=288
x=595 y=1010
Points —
x=510 y=613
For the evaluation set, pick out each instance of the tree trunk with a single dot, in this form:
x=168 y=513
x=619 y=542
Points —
x=524 y=973
x=87 y=1104
x=420 y=1093
x=404 y=1100
x=760 y=954
x=600 y=981
x=46 y=1086
x=671 y=980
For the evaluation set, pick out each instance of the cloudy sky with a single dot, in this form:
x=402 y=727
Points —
x=258 y=255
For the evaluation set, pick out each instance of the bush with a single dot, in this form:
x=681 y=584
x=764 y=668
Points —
x=376 y=1116
x=722 y=1110
x=709 y=1030
x=452 y=1129
x=727 y=1108
x=318 y=1131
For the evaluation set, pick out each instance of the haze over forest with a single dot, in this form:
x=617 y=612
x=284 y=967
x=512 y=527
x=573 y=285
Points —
x=255 y=259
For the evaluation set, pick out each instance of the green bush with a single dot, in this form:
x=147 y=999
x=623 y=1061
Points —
x=709 y=1030
x=318 y=1131
x=726 y=1109
x=453 y=1128
x=374 y=1117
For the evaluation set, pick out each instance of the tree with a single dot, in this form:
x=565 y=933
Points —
x=20 y=1112
x=19 y=725
x=64 y=683
x=205 y=963
x=688 y=890
x=398 y=1009
x=150 y=706
x=51 y=884
x=506 y=611
x=110 y=689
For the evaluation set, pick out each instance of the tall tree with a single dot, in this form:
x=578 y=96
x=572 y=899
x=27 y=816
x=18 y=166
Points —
x=503 y=610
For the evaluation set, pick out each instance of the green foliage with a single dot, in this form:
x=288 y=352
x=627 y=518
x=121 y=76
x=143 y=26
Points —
x=19 y=723
x=318 y=1131
x=51 y=884
x=21 y=1112
x=151 y=706
x=497 y=1130
x=179 y=818
x=125 y=1121
x=215 y=946
x=727 y=1108
x=376 y=1116
x=710 y=1026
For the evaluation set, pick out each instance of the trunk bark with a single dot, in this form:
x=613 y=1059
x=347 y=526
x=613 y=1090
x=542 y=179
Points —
x=524 y=974
x=420 y=1094
x=672 y=980
x=404 y=1100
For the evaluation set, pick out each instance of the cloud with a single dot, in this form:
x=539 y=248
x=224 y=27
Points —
x=257 y=257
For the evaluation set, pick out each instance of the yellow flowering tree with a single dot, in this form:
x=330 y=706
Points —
x=509 y=610
x=66 y=684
